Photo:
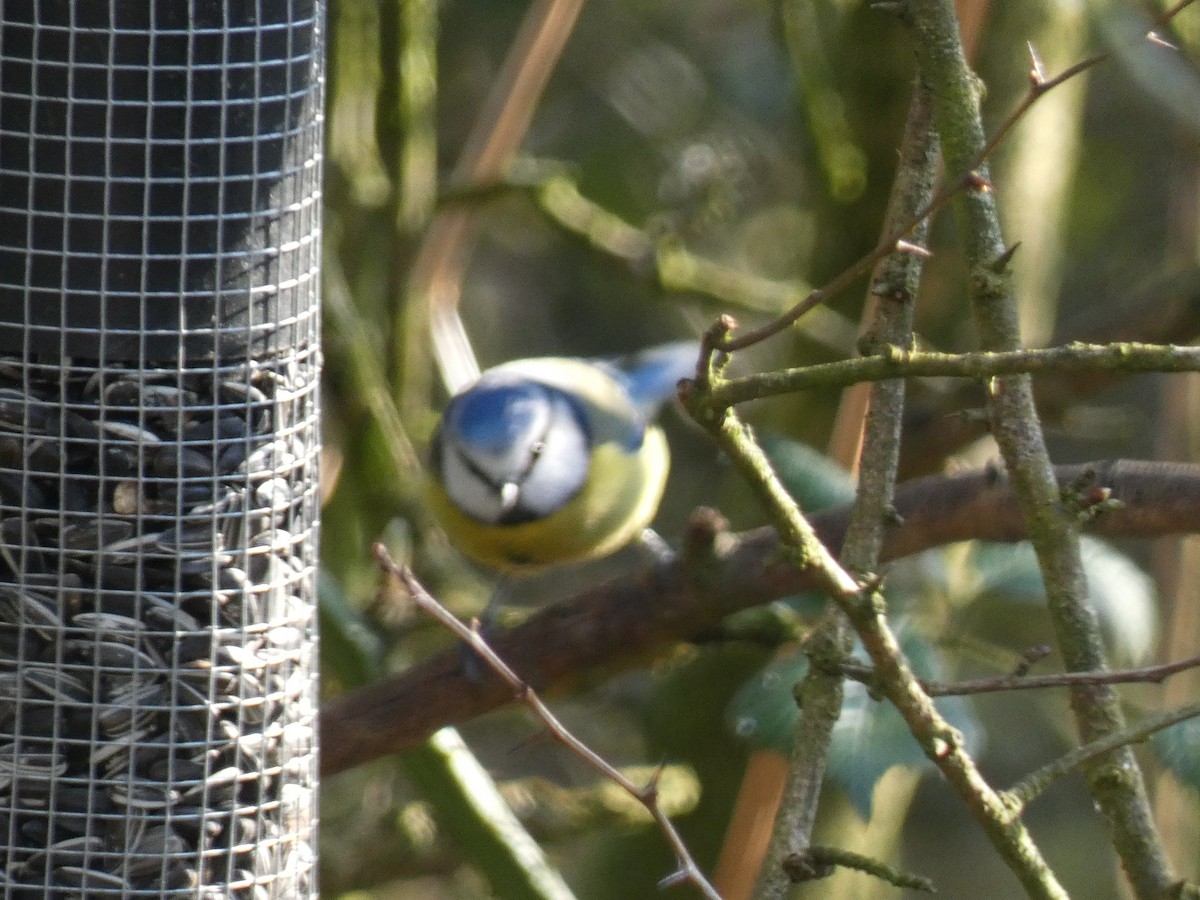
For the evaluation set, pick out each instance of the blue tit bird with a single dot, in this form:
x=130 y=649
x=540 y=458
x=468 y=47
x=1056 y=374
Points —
x=552 y=460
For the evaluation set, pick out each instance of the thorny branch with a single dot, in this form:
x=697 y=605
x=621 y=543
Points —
x=687 y=870
x=865 y=611
x=1039 y=86
x=619 y=622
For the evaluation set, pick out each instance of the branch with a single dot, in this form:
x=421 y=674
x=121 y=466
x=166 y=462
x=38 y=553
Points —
x=618 y=623
x=970 y=177
x=865 y=611
x=1053 y=530
x=687 y=870
x=1034 y=784
x=819 y=862
x=1014 y=682
x=888 y=320
x=432 y=279
x=898 y=362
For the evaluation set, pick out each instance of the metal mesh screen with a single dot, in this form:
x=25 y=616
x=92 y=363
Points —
x=159 y=250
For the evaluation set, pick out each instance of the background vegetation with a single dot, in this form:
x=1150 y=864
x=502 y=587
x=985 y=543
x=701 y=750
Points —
x=747 y=149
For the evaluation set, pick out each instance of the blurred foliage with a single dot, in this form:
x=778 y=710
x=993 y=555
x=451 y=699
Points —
x=869 y=738
x=761 y=137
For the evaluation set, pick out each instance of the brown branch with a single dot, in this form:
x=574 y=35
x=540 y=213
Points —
x=619 y=622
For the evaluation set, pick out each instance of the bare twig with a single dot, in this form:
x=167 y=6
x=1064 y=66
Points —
x=887 y=320
x=819 y=862
x=967 y=178
x=940 y=742
x=1144 y=675
x=899 y=362
x=1053 y=530
x=434 y=277
x=1034 y=784
x=687 y=871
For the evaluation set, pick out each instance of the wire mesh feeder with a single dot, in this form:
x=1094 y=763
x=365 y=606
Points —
x=156 y=697
x=159 y=359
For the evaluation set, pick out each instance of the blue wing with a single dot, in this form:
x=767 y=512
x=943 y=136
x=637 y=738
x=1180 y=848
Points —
x=650 y=376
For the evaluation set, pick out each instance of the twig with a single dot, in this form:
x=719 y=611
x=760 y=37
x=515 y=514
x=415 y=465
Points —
x=1145 y=675
x=898 y=362
x=1053 y=531
x=676 y=268
x=968 y=178
x=941 y=743
x=819 y=862
x=687 y=871
x=888 y=320
x=1027 y=789
x=434 y=279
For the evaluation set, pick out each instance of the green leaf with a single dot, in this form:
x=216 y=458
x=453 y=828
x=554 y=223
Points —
x=1179 y=749
x=351 y=652
x=763 y=712
x=815 y=481
x=870 y=736
x=1123 y=596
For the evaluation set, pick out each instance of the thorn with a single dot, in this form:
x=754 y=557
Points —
x=679 y=876
x=1031 y=656
x=650 y=791
x=977 y=182
x=1037 y=69
x=537 y=739
x=1001 y=262
x=1154 y=38
x=903 y=246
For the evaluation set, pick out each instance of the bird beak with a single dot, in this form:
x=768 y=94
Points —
x=509 y=494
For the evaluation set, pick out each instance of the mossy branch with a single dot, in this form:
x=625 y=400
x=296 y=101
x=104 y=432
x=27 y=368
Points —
x=1115 y=781
x=864 y=608
x=888 y=320
x=898 y=362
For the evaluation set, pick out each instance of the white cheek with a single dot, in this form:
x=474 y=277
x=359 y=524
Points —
x=559 y=472
x=474 y=497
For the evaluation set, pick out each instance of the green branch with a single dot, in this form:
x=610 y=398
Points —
x=1034 y=784
x=889 y=320
x=865 y=610
x=897 y=362
x=1115 y=780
